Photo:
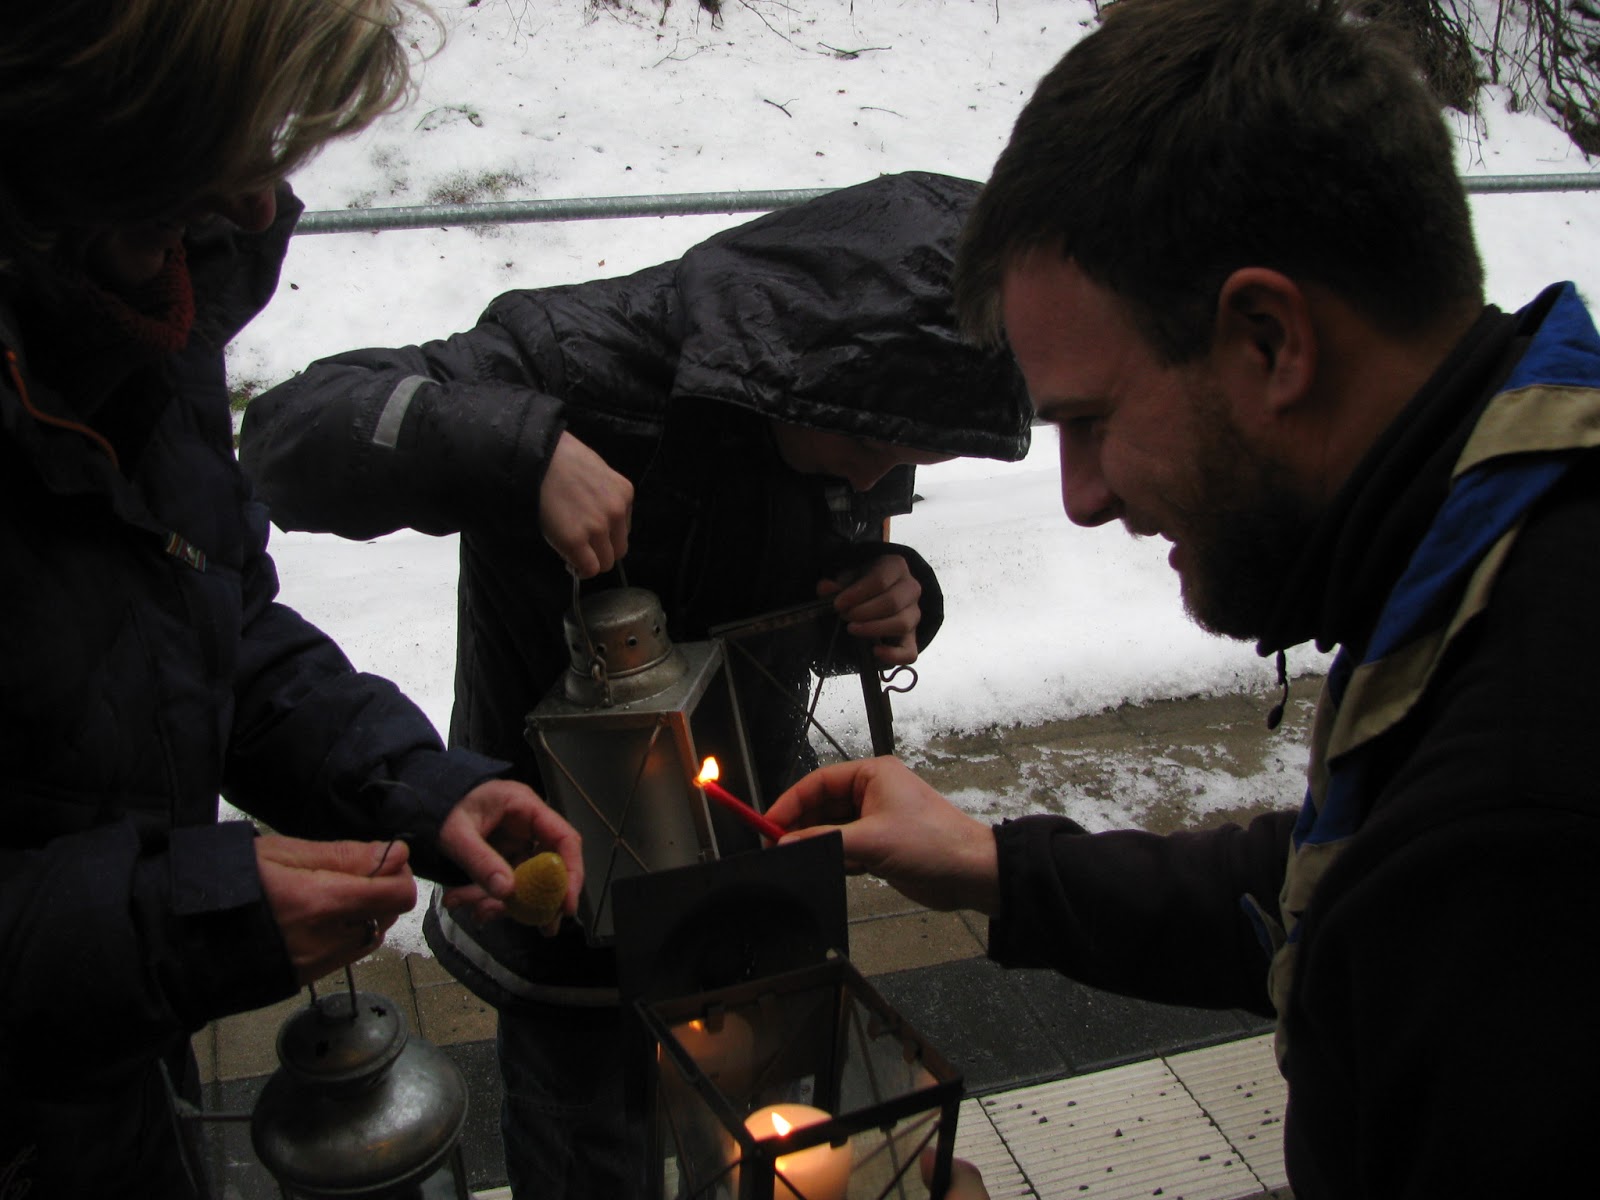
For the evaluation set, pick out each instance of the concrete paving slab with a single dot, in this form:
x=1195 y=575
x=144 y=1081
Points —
x=1094 y=1029
x=247 y=1044
x=866 y=898
x=425 y=970
x=1241 y=1090
x=972 y=1012
x=910 y=940
x=449 y=1014
x=1144 y=1129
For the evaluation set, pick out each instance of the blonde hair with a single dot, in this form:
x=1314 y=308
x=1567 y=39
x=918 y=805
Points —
x=118 y=110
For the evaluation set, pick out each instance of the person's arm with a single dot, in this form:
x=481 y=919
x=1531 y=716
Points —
x=439 y=437
x=1151 y=916
x=319 y=750
x=530 y=424
x=115 y=944
x=1161 y=917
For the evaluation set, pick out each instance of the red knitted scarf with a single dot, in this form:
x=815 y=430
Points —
x=147 y=322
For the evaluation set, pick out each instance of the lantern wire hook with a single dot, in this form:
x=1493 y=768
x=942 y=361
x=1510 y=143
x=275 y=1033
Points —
x=597 y=657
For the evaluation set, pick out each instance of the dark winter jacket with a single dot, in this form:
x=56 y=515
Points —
x=1433 y=1025
x=147 y=669
x=834 y=315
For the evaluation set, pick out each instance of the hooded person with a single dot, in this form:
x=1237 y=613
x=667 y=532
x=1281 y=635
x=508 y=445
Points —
x=744 y=420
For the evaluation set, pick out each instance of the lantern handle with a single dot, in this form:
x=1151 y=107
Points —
x=349 y=982
x=597 y=660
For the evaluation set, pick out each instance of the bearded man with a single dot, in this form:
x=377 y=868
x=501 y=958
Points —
x=1229 y=250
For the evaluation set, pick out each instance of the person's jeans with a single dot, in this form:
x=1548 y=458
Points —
x=563 y=1116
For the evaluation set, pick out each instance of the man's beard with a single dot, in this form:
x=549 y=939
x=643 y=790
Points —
x=1245 y=528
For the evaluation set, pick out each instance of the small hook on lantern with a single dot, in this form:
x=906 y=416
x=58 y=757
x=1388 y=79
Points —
x=887 y=678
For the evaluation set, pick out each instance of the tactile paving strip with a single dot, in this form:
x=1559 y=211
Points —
x=1140 y=1130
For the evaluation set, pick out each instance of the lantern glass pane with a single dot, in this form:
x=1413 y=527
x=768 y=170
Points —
x=626 y=790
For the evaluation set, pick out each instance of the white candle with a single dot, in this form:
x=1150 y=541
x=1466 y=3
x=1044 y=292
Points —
x=817 y=1172
x=726 y=1057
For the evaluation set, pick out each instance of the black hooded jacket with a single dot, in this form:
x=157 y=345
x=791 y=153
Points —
x=834 y=315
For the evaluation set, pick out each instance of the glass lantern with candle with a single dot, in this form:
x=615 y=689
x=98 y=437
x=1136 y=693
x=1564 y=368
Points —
x=802 y=1086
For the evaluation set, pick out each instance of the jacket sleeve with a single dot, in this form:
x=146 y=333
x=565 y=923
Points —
x=114 y=949
x=320 y=750
x=457 y=434
x=1158 y=917
x=440 y=437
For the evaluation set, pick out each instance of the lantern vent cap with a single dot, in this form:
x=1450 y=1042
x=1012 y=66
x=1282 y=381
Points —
x=619 y=649
x=343 y=1039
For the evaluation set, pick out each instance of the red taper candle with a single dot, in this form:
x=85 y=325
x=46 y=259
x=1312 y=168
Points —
x=707 y=782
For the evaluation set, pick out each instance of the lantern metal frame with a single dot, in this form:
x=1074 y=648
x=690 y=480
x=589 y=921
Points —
x=748 y=939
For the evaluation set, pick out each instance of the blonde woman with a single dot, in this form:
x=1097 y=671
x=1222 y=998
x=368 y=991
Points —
x=146 y=667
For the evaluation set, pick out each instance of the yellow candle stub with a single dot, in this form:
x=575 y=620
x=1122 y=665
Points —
x=541 y=889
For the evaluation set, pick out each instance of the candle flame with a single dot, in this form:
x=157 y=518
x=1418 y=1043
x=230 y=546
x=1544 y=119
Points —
x=780 y=1125
x=709 y=771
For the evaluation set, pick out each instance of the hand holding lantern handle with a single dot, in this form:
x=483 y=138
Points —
x=584 y=508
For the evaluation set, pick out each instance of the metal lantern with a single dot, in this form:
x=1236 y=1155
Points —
x=749 y=1016
x=359 y=1110
x=621 y=738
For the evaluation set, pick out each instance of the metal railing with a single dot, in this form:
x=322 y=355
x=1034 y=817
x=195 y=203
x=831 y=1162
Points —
x=507 y=212
x=510 y=212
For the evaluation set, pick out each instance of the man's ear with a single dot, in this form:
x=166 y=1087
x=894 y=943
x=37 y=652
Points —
x=1265 y=341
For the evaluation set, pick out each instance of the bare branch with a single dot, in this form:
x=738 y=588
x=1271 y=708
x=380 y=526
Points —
x=848 y=54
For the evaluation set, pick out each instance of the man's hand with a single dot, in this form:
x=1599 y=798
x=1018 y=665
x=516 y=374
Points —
x=584 y=508
x=881 y=605
x=897 y=828
x=333 y=901
x=499 y=823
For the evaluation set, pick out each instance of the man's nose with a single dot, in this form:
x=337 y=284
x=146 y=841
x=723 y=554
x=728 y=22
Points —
x=1087 y=499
